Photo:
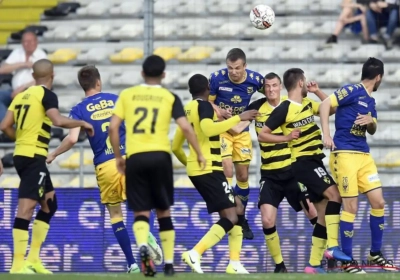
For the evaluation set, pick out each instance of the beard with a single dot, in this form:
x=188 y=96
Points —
x=376 y=86
x=304 y=92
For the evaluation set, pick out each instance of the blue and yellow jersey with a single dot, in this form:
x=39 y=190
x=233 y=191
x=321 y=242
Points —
x=97 y=110
x=350 y=101
x=227 y=94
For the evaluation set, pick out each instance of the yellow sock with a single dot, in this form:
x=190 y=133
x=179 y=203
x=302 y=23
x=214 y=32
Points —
x=168 y=244
x=20 y=238
x=141 y=230
x=318 y=245
x=39 y=234
x=229 y=180
x=274 y=246
x=235 y=239
x=212 y=237
x=332 y=220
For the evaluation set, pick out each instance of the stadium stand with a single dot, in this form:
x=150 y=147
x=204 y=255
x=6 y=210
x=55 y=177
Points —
x=194 y=37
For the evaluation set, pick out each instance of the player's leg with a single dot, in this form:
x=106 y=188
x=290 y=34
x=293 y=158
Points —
x=370 y=184
x=345 y=167
x=300 y=197
x=270 y=196
x=31 y=190
x=139 y=197
x=241 y=157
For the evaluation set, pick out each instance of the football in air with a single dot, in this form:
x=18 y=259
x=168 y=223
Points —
x=262 y=16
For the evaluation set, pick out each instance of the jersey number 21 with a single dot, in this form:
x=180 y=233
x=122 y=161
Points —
x=144 y=113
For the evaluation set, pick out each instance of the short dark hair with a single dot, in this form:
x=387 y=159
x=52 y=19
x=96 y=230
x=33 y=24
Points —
x=198 y=84
x=291 y=78
x=88 y=77
x=153 y=66
x=372 y=68
x=236 y=54
x=273 y=75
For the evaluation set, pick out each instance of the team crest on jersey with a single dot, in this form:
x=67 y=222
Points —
x=41 y=191
x=345 y=184
x=250 y=90
x=251 y=75
x=302 y=187
x=216 y=73
x=326 y=180
x=236 y=99
x=223 y=72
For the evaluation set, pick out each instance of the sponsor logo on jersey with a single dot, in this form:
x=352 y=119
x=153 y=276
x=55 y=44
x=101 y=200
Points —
x=250 y=90
x=363 y=104
x=225 y=89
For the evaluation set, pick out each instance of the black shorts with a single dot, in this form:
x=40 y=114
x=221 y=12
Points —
x=312 y=173
x=149 y=181
x=215 y=190
x=34 y=175
x=275 y=187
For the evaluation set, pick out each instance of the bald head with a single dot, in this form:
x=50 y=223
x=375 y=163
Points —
x=43 y=69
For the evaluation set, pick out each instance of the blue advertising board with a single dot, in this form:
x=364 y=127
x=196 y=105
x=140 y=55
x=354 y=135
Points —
x=81 y=239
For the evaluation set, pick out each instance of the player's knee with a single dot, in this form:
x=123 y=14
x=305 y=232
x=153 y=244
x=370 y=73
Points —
x=165 y=224
x=350 y=205
x=227 y=223
x=332 y=194
x=268 y=221
x=52 y=205
x=378 y=204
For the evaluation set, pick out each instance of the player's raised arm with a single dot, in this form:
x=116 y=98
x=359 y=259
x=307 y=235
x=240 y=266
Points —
x=314 y=88
x=324 y=111
x=177 y=146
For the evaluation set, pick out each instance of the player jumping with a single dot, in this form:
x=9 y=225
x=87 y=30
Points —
x=147 y=110
x=231 y=89
x=96 y=109
x=33 y=112
x=295 y=117
x=211 y=182
x=351 y=162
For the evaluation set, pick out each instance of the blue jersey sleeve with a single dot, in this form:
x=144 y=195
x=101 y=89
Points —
x=344 y=96
x=74 y=114
x=260 y=83
x=213 y=85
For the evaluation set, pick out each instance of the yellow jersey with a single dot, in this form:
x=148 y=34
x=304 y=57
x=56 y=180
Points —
x=147 y=111
x=290 y=115
x=33 y=126
x=205 y=123
x=275 y=157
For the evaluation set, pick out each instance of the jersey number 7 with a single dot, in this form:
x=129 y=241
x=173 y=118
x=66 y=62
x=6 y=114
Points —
x=20 y=108
x=144 y=112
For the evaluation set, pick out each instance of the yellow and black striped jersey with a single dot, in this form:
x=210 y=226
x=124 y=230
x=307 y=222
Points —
x=290 y=115
x=275 y=157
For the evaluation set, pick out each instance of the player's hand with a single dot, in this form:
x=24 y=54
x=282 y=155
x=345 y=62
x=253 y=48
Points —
x=363 y=119
x=312 y=87
x=50 y=158
x=89 y=128
x=328 y=142
x=202 y=161
x=295 y=134
x=248 y=115
x=226 y=113
x=121 y=165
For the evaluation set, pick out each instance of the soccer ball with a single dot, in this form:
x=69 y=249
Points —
x=262 y=17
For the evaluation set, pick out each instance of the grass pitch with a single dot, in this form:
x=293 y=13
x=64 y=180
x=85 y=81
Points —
x=209 y=276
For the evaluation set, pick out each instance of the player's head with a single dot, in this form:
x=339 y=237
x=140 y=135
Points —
x=89 y=78
x=272 y=86
x=295 y=80
x=373 y=70
x=236 y=64
x=199 y=86
x=153 y=68
x=43 y=72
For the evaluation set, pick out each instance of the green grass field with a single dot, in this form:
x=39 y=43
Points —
x=192 y=276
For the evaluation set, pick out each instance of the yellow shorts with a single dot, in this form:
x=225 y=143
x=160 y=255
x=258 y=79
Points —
x=111 y=183
x=238 y=147
x=354 y=173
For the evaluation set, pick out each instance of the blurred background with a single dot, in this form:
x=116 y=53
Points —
x=329 y=39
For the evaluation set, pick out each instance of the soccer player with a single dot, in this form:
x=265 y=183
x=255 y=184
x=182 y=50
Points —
x=351 y=162
x=33 y=112
x=231 y=89
x=147 y=110
x=96 y=109
x=277 y=180
x=295 y=117
x=211 y=182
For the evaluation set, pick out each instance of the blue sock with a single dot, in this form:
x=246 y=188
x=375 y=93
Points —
x=124 y=241
x=151 y=221
x=242 y=190
x=376 y=223
x=347 y=232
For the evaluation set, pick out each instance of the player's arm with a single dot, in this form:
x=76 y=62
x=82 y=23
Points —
x=7 y=124
x=116 y=121
x=50 y=104
x=324 y=112
x=276 y=119
x=243 y=124
x=177 y=146
x=207 y=124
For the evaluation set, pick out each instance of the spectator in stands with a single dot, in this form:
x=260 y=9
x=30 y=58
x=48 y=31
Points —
x=353 y=16
x=383 y=13
x=19 y=63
